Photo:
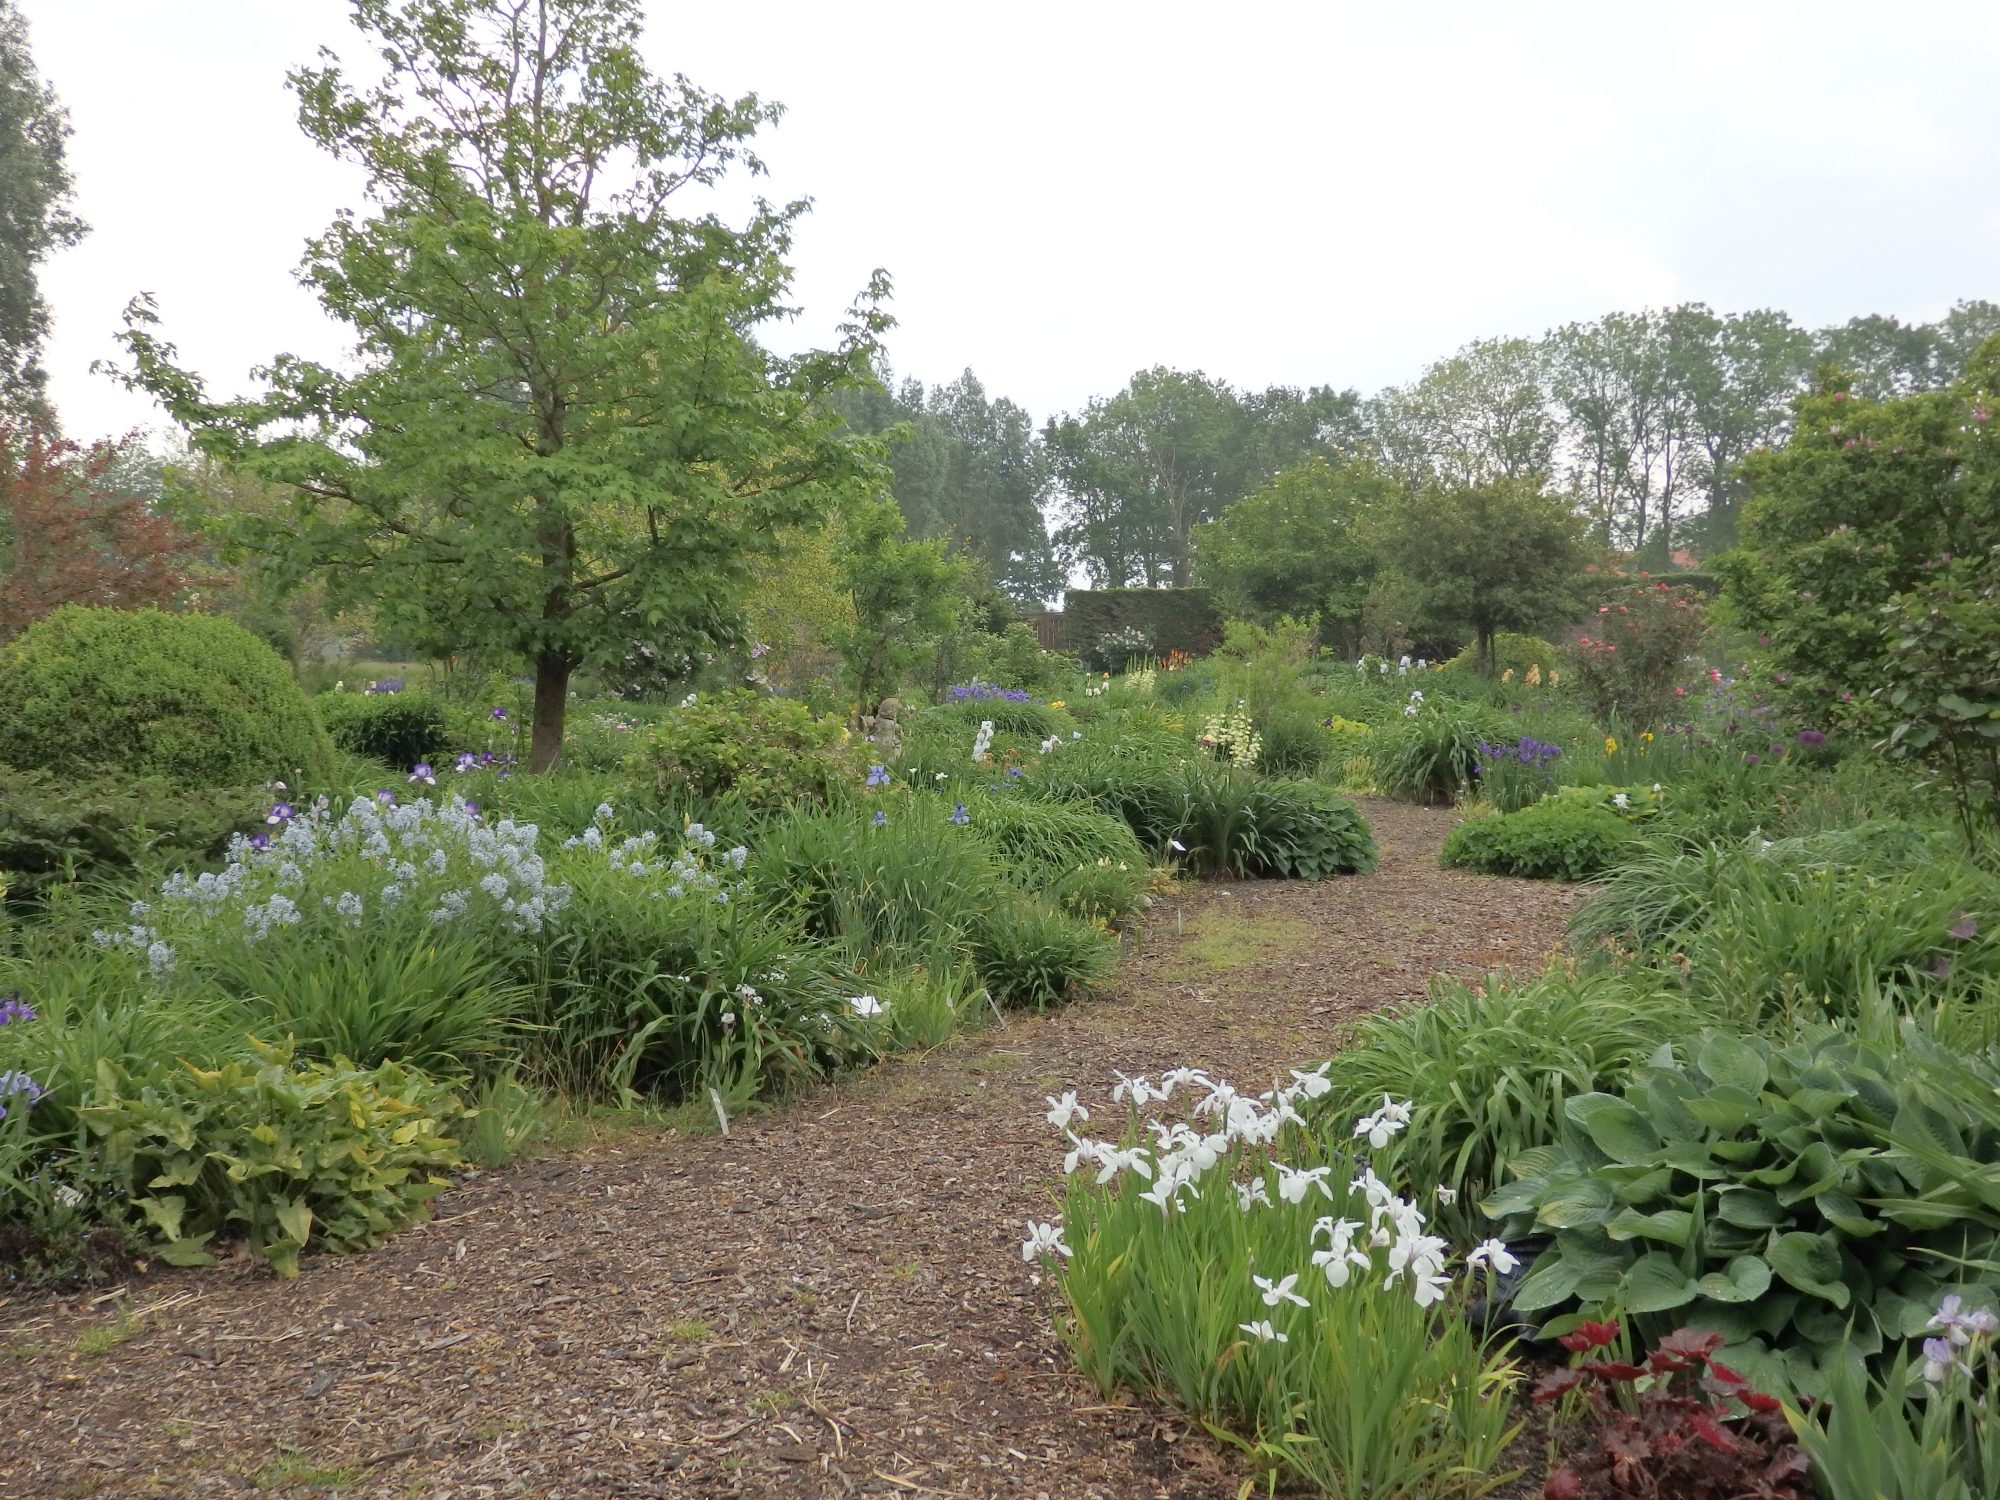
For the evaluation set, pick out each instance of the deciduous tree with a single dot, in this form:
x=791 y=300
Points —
x=563 y=434
x=35 y=217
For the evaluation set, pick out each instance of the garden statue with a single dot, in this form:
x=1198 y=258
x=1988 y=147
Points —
x=884 y=732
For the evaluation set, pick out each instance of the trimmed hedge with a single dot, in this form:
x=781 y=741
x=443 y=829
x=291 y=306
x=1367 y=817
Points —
x=1170 y=619
x=399 y=729
x=193 y=698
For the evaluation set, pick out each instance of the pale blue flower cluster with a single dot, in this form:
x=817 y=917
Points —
x=693 y=870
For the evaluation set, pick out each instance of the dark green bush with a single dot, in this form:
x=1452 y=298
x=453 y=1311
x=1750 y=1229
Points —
x=762 y=750
x=194 y=698
x=1031 y=956
x=1548 y=841
x=1811 y=1202
x=93 y=828
x=399 y=729
x=1293 y=830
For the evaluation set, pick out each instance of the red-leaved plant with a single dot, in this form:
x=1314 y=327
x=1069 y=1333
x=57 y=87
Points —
x=1693 y=1429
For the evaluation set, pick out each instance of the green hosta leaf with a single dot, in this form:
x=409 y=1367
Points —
x=1553 y=1281
x=1732 y=1062
x=1614 y=1126
x=1574 y=1204
x=1844 y=1214
x=1748 y=1207
x=1744 y=1279
x=1810 y=1262
x=1656 y=1283
x=1694 y=1159
x=1725 y=1109
x=1672 y=1226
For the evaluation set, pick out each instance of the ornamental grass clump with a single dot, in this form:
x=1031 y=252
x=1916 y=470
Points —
x=1280 y=1291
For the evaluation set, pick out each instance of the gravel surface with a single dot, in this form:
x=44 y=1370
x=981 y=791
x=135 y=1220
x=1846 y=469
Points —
x=830 y=1300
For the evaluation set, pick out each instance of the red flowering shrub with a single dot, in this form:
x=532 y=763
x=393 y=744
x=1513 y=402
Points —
x=1696 y=1432
x=1638 y=653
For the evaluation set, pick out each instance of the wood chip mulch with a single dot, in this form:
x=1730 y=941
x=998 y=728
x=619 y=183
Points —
x=829 y=1301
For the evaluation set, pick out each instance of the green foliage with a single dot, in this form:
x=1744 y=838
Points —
x=763 y=750
x=288 y=1155
x=1177 y=619
x=1432 y=755
x=1087 y=861
x=1943 y=688
x=1513 y=653
x=1493 y=1064
x=1550 y=840
x=191 y=698
x=1859 y=506
x=905 y=592
x=1810 y=1202
x=1497 y=556
x=641 y=461
x=34 y=128
x=1299 y=547
x=1031 y=956
x=959 y=721
x=905 y=892
x=1813 y=926
x=1900 y=1437
x=89 y=828
x=1643 y=649
x=656 y=986
x=1635 y=804
x=1368 y=1393
x=1012 y=659
x=1297 y=830
x=399 y=729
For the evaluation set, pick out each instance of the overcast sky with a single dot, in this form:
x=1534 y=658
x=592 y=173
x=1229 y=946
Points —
x=1314 y=193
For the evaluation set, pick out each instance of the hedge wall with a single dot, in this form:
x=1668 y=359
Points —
x=1171 y=619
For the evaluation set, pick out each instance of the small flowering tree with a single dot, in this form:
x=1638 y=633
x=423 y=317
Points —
x=1641 y=649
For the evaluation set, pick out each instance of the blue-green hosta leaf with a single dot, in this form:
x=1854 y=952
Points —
x=1810 y=1262
x=1725 y=1108
x=1671 y=1226
x=1844 y=1214
x=1656 y=1283
x=1574 y=1204
x=1552 y=1282
x=1748 y=1207
x=1732 y=1062
x=1614 y=1126
x=1744 y=1279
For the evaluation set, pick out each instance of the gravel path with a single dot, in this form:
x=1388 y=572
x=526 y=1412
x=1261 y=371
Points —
x=829 y=1301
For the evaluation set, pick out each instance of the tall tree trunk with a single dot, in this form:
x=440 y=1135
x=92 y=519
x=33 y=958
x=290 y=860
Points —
x=545 y=742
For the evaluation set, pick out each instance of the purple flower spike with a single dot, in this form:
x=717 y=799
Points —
x=1964 y=929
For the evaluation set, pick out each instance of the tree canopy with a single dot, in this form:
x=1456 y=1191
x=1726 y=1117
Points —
x=563 y=435
x=35 y=217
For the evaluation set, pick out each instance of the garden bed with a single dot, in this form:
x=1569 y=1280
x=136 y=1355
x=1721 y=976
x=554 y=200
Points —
x=830 y=1300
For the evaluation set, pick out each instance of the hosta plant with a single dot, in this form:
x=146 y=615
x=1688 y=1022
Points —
x=1552 y=840
x=287 y=1155
x=1810 y=1202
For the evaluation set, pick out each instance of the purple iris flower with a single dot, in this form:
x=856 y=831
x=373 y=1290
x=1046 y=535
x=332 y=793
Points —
x=280 y=813
x=386 y=797
x=260 y=841
x=14 y=1008
x=878 y=775
x=498 y=713
x=960 y=816
x=881 y=818
x=421 y=771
